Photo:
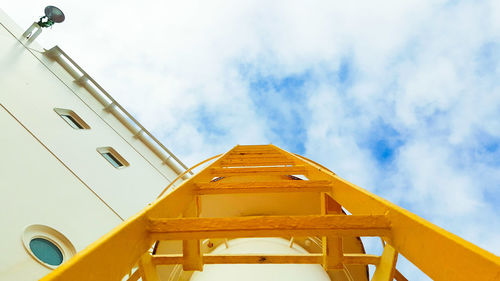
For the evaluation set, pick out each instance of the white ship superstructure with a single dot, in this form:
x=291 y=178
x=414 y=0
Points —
x=74 y=164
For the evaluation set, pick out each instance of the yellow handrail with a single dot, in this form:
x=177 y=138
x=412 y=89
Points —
x=185 y=172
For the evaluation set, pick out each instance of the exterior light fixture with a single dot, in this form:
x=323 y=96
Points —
x=52 y=15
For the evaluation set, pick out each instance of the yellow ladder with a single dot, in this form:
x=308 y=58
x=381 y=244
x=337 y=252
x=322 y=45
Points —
x=264 y=191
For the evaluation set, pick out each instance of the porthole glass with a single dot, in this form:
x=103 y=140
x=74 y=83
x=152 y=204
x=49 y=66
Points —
x=46 y=251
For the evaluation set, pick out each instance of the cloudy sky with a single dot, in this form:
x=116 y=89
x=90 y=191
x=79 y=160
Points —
x=399 y=97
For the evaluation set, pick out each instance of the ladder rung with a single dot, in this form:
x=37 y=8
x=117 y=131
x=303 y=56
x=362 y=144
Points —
x=294 y=170
x=256 y=154
x=272 y=150
x=254 y=148
x=256 y=162
x=361 y=259
x=263 y=187
x=243 y=259
x=255 y=158
x=262 y=259
x=269 y=226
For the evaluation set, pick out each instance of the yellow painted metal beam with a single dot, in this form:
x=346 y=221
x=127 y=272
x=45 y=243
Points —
x=221 y=187
x=147 y=268
x=332 y=246
x=387 y=265
x=244 y=259
x=257 y=156
x=192 y=255
x=426 y=245
x=191 y=249
x=269 y=226
x=294 y=170
x=360 y=259
x=239 y=162
x=253 y=147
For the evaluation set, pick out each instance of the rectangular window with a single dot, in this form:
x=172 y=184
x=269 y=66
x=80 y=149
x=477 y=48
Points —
x=72 y=119
x=113 y=157
x=112 y=160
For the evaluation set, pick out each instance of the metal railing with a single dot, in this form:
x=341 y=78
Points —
x=112 y=106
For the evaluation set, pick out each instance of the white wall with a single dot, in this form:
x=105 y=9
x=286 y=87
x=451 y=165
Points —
x=30 y=91
x=50 y=173
x=38 y=189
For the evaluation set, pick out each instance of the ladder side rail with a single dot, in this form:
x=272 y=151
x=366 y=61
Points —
x=438 y=253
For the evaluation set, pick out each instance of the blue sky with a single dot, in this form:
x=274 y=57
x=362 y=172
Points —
x=280 y=100
x=399 y=97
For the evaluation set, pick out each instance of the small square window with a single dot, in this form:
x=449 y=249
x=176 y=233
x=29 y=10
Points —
x=72 y=119
x=113 y=157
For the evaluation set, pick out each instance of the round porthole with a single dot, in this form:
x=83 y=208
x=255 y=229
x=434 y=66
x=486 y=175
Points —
x=46 y=251
x=47 y=245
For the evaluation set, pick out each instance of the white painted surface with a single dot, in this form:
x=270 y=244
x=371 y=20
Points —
x=31 y=86
x=261 y=272
x=37 y=189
